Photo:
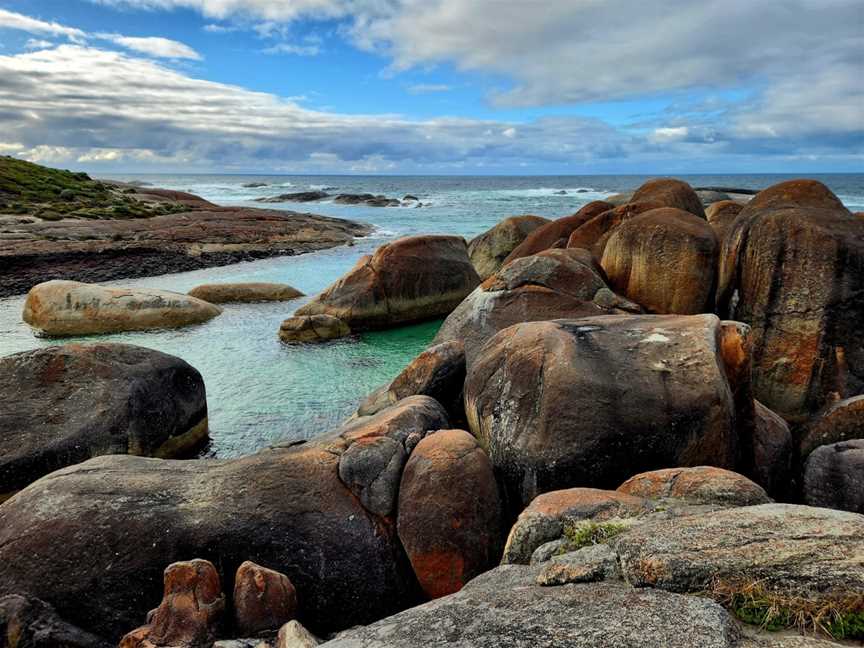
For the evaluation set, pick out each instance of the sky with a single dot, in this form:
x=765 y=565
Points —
x=434 y=86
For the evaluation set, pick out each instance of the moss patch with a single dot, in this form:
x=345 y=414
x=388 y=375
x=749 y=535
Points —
x=839 y=615
x=52 y=194
x=585 y=534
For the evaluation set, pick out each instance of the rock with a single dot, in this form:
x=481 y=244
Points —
x=313 y=328
x=299 y=196
x=834 y=476
x=410 y=198
x=294 y=635
x=409 y=280
x=372 y=468
x=489 y=249
x=545 y=517
x=65 y=404
x=618 y=199
x=700 y=485
x=796 y=550
x=721 y=215
x=729 y=190
x=840 y=421
x=449 y=518
x=62 y=308
x=587 y=565
x=792 y=267
x=771 y=465
x=254 y=185
x=31 y=623
x=590 y=402
x=555 y=234
x=669 y=192
x=244 y=292
x=190 y=613
x=439 y=372
x=241 y=643
x=122 y=519
x=549 y=285
x=506 y=608
x=594 y=234
x=264 y=600
x=710 y=197
x=664 y=260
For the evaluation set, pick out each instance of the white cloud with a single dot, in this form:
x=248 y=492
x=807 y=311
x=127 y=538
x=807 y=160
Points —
x=669 y=134
x=299 y=50
x=154 y=46
x=10 y=147
x=509 y=132
x=428 y=88
x=37 y=43
x=12 y=20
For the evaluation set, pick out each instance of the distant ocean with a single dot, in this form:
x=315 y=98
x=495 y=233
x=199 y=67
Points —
x=260 y=391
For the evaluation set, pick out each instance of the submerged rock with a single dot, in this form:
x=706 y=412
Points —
x=299 y=196
x=409 y=280
x=244 y=292
x=64 y=308
x=65 y=404
x=592 y=401
x=489 y=249
x=313 y=328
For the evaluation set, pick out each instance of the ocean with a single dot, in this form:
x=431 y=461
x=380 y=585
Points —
x=260 y=391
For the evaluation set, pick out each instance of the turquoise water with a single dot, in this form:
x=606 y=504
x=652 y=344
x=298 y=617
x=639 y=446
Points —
x=261 y=391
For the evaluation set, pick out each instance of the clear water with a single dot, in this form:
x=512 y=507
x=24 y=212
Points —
x=261 y=391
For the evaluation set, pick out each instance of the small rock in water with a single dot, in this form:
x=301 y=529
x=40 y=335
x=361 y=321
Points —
x=313 y=328
x=254 y=185
x=244 y=292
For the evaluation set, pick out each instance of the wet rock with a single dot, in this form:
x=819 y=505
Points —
x=264 y=600
x=63 y=308
x=409 y=280
x=664 y=260
x=669 y=192
x=312 y=328
x=549 y=285
x=834 y=476
x=65 y=404
x=244 y=292
x=488 y=250
x=792 y=267
x=449 y=517
x=593 y=401
x=840 y=421
x=544 y=519
x=191 y=611
x=299 y=196
x=31 y=623
x=700 y=485
x=254 y=185
x=506 y=608
x=555 y=234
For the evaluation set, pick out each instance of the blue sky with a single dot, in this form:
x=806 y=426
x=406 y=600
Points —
x=434 y=86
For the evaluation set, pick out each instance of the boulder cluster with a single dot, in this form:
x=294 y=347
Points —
x=639 y=425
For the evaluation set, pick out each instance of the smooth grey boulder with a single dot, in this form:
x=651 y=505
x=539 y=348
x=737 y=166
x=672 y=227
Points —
x=834 y=476
x=372 y=468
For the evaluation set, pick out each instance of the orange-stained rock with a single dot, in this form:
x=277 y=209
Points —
x=264 y=600
x=665 y=260
x=489 y=249
x=792 y=266
x=412 y=279
x=699 y=485
x=840 y=421
x=721 y=215
x=190 y=614
x=449 y=518
x=543 y=520
x=556 y=233
x=594 y=234
x=669 y=192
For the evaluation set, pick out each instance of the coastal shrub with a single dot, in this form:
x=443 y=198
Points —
x=585 y=534
x=838 y=615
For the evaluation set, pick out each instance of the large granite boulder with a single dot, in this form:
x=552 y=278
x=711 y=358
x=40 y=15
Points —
x=244 y=292
x=64 y=308
x=834 y=476
x=590 y=402
x=665 y=260
x=556 y=233
x=721 y=215
x=840 y=421
x=773 y=452
x=669 y=192
x=488 y=250
x=594 y=233
x=31 y=623
x=409 y=280
x=121 y=520
x=65 y=404
x=700 y=485
x=792 y=266
x=507 y=608
x=549 y=285
x=450 y=514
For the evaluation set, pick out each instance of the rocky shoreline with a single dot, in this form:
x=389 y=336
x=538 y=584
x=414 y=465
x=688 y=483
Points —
x=642 y=426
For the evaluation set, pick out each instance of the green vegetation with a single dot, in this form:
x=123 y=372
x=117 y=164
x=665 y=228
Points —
x=52 y=194
x=840 y=615
x=585 y=534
